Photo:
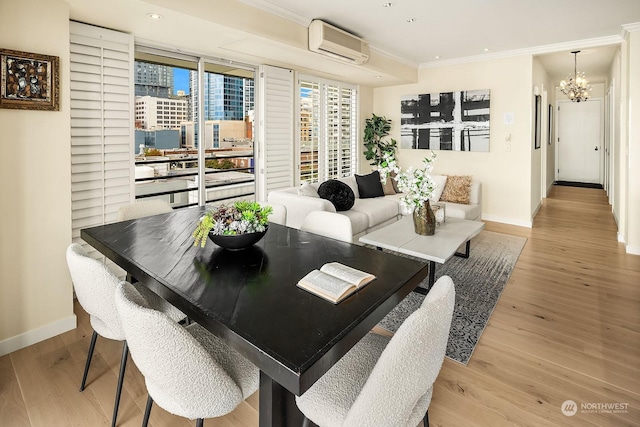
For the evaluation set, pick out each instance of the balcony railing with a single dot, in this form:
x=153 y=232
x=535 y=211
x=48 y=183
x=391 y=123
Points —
x=229 y=175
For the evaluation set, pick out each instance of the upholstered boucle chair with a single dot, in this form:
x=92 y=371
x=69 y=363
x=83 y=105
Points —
x=382 y=382
x=95 y=287
x=328 y=224
x=188 y=371
x=143 y=208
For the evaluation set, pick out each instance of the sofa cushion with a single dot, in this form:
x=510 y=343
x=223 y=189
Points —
x=377 y=210
x=351 y=182
x=387 y=187
x=369 y=185
x=307 y=190
x=471 y=212
x=456 y=189
x=392 y=176
x=439 y=181
x=338 y=193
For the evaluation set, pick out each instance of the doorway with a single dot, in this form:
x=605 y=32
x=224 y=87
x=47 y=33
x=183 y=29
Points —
x=580 y=142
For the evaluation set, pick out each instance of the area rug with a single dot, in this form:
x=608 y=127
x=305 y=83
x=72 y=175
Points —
x=479 y=281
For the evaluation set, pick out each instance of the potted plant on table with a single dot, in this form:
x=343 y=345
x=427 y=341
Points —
x=418 y=187
x=233 y=227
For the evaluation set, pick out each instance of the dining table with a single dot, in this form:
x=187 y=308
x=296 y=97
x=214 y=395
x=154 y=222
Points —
x=250 y=298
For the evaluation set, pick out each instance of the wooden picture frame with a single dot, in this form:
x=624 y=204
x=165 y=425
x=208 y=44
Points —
x=29 y=81
x=538 y=122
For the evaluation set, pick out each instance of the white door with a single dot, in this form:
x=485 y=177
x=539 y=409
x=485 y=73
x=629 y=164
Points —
x=579 y=141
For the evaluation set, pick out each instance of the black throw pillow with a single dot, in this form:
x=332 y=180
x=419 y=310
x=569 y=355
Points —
x=369 y=186
x=338 y=193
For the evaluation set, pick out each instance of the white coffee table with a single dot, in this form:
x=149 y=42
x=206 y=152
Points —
x=400 y=237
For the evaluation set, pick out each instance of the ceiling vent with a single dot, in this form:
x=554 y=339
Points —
x=336 y=43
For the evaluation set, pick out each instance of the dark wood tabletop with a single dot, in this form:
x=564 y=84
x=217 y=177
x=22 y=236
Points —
x=250 y=297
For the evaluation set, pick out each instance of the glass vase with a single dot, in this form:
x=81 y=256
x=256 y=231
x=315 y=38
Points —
x=424 y=220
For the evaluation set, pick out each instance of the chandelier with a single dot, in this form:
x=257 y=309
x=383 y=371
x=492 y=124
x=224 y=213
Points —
x=576 y=88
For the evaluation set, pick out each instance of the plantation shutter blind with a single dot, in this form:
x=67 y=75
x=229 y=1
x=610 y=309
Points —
x=333 y=109
x=276 y=124
x=101 y=85
x=348 y=131
x=309 y=130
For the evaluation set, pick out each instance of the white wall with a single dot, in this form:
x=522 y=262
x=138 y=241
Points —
x=615 y=143
x=633 y=144
x=35 y=288
x=505 y=171
x=540 y=166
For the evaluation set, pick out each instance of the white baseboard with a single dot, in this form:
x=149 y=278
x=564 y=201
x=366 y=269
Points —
x=620 y=237
x=633 y=250
x=36 y=335
x=511 y=221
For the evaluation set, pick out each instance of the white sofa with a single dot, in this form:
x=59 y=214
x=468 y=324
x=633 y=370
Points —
x=366 y=214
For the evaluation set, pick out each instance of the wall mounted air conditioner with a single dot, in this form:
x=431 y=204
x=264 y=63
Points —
x=332 y=41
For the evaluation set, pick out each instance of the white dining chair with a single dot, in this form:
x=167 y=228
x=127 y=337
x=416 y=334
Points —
x=188 y=371
x=95 y=287
x=387 y=382
x=143 y=208
x=328 y=224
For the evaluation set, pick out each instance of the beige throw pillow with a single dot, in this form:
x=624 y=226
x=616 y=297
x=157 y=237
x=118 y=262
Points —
x=457 y=189
x=388 y=187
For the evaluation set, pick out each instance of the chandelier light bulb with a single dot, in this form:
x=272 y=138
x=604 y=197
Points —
x=576 y=87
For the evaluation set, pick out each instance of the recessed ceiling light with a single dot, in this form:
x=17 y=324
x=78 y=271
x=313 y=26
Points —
x=154 y=16
x=378 y=77
x=486 y=49
x=411 y=20
x=388 y=4
x=437 y=56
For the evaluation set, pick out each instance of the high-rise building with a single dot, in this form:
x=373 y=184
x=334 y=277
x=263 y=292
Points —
x=160 y=113
x=225 y=97
x=153 y=80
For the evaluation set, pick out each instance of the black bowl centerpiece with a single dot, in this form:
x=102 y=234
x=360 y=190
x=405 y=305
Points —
x=233 y=227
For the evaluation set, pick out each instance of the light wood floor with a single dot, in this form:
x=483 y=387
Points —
x=567 y=327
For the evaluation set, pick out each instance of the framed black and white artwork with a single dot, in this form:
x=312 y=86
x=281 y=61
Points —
x=457 y=121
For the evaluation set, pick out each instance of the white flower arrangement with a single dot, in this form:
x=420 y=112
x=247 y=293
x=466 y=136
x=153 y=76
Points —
x=416 y=184
x=388 y=165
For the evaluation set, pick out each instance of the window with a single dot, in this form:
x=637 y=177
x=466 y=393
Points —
x=170 y=122
x=327 y=129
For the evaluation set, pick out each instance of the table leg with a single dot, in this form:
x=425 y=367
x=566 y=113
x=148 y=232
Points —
x=465 y=254
x=277 y=405
x=432 y=278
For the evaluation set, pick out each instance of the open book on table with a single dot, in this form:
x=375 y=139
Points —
x=334 y=281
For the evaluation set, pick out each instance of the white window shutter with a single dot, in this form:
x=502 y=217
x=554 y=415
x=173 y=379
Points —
x=275 y=130
x=328 y=129
x=101 y=79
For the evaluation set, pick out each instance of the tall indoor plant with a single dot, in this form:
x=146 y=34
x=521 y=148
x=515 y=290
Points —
x=382 y=153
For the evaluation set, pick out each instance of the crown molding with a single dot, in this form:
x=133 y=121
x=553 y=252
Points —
x=396 y=58
x=629 y=28
x=536 y=50
x=278 y=11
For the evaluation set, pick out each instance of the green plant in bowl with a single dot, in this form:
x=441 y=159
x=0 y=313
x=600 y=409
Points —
x=240 y=218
